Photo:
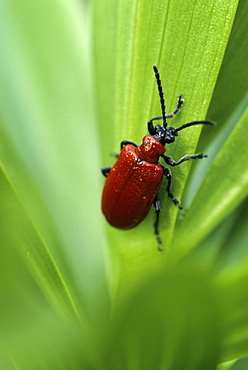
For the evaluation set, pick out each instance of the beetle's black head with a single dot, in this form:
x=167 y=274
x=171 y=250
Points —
x=163 y=133
x=167 y=134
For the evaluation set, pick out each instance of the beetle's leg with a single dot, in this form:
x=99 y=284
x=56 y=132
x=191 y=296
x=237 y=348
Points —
x=170 y=161
x=105 y=171
x=179 y=104
x=157 y=206
x=170 y=115
x=168 y=175
x=126 y=142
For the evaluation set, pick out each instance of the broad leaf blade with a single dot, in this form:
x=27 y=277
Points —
x=187 y=41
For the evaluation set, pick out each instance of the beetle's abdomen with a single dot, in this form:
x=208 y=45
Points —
x=130 y=189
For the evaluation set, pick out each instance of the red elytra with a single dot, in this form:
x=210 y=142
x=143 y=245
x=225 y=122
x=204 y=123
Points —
x=132 y=184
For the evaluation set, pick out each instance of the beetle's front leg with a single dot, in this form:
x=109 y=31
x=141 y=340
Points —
x=170 y=161
x=168 y=175
x=151 y=128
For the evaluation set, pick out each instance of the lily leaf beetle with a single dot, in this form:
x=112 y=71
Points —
x=132 y=184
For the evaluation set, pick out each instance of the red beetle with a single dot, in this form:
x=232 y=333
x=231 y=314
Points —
x=132 y=184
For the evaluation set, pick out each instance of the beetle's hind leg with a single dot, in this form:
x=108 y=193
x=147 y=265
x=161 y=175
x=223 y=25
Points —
x=157 y=206
x=105 y=171
x=127 y=142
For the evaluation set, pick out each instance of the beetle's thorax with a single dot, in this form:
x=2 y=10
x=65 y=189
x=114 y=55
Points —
x=151 y=149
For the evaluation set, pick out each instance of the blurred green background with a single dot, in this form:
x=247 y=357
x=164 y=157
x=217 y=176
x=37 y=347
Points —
x=75 y=79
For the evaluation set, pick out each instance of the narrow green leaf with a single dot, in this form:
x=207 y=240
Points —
x=48 y=135
x=19 y=231
x=224 y=252
x=232 y=90
x=227 y=365
x=241 y=364
x=225 y=189
x=233 y=299
x=170 y=322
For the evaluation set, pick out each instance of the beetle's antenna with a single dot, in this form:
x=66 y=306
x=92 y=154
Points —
x=161 y=95
x=194 y=123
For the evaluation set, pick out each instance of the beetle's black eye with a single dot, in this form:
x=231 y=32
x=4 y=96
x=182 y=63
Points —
x=169 y=139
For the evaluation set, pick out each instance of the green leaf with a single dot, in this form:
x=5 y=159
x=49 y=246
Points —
x=19 y=231
x=48 y=131
x=50 y=184
x=187 y=40
x=232 y=91
x=229 y=109
x=226 y=365
x=225 y=189
x=224 y=252
x=231 y=287
x=56 y=120
x=170 y=322
x=240 y=364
